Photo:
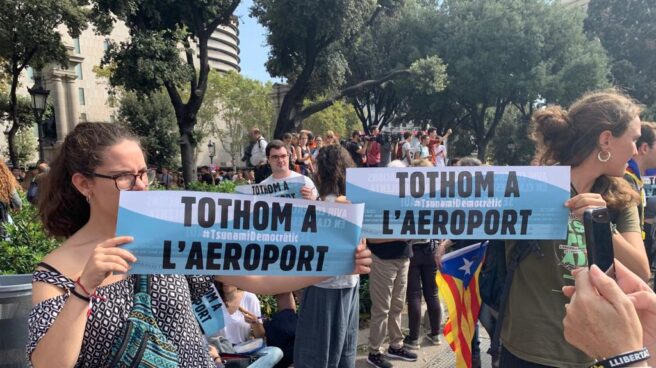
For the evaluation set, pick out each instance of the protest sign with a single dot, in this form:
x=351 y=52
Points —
x=208 y=310
x=188 y=233
x=289 y=188
x=649 y=184
x=462 y=202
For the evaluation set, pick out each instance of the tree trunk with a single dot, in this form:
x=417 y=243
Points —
x=482 y=150
x=187 y=156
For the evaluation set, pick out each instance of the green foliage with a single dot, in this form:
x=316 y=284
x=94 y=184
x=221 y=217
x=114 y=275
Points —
x=365 y=298
x=153 y=119
x=340 y=118
x=510 y=52
x=25 y=113
x=627 y=31
x=240 y=103
x=161 y=53
x=27 y=34
x=26 y=242
x=147 y=60
x=226 y=186
x=429 y=74
x=27 y=146
x=28 y=37
x=396 y=40
x=268 y=304
x=301 y=32
x=512 y=145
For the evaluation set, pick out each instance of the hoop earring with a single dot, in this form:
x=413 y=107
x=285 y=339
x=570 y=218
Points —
x=604 y=159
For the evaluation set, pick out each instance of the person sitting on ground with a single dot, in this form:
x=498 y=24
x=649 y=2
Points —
x=242 y=316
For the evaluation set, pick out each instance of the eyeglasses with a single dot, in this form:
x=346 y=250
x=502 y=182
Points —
x=127 y=181
x=278 y=157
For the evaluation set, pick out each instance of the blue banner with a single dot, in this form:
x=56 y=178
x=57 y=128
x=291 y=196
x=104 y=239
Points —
x=209 y=312
x=462 y=202
x=189 y=233
x=289 y=188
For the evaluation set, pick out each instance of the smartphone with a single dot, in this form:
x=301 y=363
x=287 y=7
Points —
x=599 y=239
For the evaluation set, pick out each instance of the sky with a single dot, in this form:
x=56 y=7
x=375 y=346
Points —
x=252 y=45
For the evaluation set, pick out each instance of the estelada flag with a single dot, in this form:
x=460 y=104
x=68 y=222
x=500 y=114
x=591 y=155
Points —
x=457 y=283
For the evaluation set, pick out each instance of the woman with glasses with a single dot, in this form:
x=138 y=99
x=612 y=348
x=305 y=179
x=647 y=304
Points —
x=81 y=293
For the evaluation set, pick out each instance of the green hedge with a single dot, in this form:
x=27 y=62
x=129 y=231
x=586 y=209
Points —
x=25 y=243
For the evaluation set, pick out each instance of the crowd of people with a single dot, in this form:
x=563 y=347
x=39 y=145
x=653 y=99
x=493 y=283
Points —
x=549 y=309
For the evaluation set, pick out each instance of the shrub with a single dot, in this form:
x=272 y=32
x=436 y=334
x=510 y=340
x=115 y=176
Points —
x=25 y=243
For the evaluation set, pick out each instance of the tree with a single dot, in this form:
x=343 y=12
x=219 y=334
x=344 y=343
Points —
x=160 y=32
x=511 y=52
x=28 y=36
x=240 y=103
x=23 y=143
x=393 y=40
x=627 y=31
x=512 y=145
x=308 y=42
x=341 y=118
x=26 y=145
x=152 y=118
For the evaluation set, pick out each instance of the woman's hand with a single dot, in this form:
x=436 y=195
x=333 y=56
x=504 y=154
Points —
x=362 y=258
x=106 y=258
x=249 y=317
x=580 y=202
x=601 y=320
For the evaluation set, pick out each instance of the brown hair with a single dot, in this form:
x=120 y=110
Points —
x=569 y=137
x=332 y=162
x=275 y=144
x=647 y=134
x=63 y=209
x=8 y=184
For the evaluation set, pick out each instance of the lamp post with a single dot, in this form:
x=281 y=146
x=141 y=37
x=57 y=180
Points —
x=39 y=100
x=211 y=148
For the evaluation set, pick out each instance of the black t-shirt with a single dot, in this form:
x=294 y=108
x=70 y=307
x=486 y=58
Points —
x=352 y=148
x=398 y=249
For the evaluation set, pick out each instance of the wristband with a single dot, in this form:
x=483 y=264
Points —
x=624 y=360
x=86 y=299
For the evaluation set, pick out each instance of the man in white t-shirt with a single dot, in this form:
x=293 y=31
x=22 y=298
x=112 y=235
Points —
x=278 y=155
x=407 y=151
x=257 y=154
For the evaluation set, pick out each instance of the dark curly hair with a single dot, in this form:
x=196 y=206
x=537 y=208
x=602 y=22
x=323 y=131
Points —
x=63 y=209
x=332 y=162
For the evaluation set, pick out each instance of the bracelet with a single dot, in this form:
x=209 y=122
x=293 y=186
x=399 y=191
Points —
x=78 y=283
x=86 y=299
x=624 y=360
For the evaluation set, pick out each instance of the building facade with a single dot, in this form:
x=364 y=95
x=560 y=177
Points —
x=78 y=94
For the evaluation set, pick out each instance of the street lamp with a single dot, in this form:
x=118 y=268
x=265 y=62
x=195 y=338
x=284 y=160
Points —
x=211 y=148
x=39 y=100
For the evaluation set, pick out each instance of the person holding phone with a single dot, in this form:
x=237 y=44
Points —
x=596 y=137
x=627 y=308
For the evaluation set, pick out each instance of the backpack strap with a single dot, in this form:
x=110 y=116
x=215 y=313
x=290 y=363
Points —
x=521 y=250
